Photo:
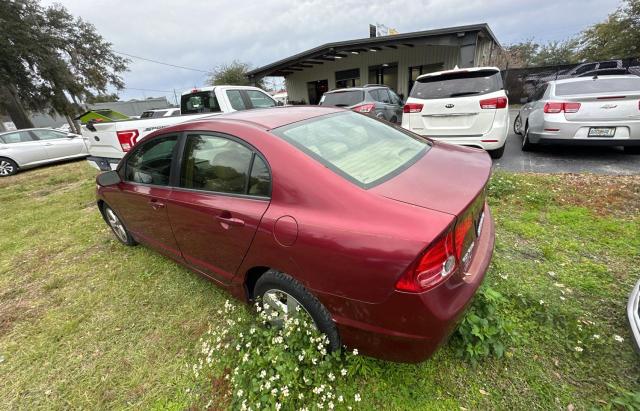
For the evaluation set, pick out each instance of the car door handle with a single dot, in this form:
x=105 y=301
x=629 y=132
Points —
x=226 y=219
x=155 y=204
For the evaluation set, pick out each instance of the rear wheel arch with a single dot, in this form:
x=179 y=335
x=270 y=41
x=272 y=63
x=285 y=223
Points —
x=251 y=278
x=13 y=162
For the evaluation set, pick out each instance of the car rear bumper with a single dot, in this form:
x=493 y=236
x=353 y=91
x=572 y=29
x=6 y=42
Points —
x=103 y=163
x=633 y=314
x=409 y=327
x=492 y=140
x=566 y=132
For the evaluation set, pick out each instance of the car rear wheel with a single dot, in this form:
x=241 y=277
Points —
x=282 y=294
x=8 y=167
x=526 y=144
x=498 y=152
x=117 y=226
x=517 y=125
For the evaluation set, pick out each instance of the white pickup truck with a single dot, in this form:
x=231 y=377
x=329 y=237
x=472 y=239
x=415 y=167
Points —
x=109 y=141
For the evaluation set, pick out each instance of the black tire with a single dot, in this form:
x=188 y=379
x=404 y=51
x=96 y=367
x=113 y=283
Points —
x=498 y=152
x=275 y=280
x=8 y=167
x=122 y=234
x=517 y=130
x=632 y=149
x=526 y=144
x=394 y=120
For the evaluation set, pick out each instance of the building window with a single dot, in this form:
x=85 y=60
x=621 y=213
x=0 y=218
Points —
x=416 y=71
x=348 y=78
x=385 y=74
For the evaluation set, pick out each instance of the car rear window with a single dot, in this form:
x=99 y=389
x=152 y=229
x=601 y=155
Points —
x=457 y=84
x=599 y=85
x=342 y=98
x=361 y=149
x=199 y=102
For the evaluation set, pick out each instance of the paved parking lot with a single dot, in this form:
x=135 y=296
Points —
x=569 y=159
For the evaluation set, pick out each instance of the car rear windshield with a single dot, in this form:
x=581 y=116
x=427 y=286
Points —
x=199 y=102
x=457 y=84
x=599 y=85
x=342 y=98
x=361 y=149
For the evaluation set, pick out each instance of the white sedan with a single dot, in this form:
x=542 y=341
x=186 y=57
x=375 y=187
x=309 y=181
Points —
x=22 y=149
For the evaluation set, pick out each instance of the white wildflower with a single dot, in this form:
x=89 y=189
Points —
x=357 y=398
x=343 y=372
x=618 y=338
x=579 y=349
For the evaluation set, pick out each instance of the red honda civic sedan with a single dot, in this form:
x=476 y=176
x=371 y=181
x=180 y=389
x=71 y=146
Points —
x=381 y=235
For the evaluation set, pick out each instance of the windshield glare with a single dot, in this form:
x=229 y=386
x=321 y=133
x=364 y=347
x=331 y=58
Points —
x=363 y=150
x=457 y=84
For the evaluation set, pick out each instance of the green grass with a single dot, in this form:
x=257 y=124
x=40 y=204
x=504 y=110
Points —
x=88 y=323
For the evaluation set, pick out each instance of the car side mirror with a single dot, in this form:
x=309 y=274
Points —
x=108 y=178
x=71 y=135
x=279 y=103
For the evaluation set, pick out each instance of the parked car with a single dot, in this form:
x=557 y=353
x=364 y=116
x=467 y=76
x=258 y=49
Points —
x=633 y=314
x=372 y=99
x=462 y=106
x=163 y=112
x=27 y=148
x=602 y=111
x=319 y=208
x=110 y=140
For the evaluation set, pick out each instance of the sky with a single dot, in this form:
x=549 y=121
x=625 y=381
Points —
x=202 y=34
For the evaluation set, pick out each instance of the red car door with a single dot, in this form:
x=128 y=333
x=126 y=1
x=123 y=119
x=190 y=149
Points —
x=142 y=196
x=223 y=192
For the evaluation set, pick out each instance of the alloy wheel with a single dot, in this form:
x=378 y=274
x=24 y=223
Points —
x=279 y=305
x=6 y=168
x=116 y=225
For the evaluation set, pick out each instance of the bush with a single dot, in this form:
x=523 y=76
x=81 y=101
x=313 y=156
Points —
x=483 y=331
x=265 y=367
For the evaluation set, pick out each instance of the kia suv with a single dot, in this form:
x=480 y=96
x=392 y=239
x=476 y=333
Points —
x=373 y=100
x=467 y=107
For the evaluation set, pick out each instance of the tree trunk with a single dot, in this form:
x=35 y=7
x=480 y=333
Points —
x=14 y=107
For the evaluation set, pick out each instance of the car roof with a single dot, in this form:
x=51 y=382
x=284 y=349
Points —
x=457 y=70
x=342 y=90
x=579 y=79
x=223 y=87
x=270 y=118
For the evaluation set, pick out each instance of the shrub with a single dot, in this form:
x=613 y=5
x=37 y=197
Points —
x=483 y=331
x=268 y=367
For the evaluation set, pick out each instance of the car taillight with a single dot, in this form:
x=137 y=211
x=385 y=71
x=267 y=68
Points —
x=127 y=138
x=553 y=107
x=412 y=108
x=433 y=267
x=496 y=102
x=365 y=108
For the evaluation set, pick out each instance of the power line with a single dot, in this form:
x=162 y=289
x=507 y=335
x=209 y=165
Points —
x=160 y=62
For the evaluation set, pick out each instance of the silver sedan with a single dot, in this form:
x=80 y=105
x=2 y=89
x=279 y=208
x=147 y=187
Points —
x=22 y=149
x=601 y=111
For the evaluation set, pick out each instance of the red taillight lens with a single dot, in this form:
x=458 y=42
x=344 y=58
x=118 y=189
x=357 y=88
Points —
x=127 y=139
x=365 y=108
x=412 y=108
x=553 y=107
x=433 y=267
x=496 y=102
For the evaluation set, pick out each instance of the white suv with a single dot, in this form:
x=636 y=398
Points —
x=462 y=106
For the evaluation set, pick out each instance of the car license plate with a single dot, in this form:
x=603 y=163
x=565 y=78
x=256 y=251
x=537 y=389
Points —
x=602 y=131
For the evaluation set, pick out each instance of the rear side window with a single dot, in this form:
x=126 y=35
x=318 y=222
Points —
x=49 y=134
x=150 y=163
x=235 y=98
x=218 y=164
x=599 y=85
x=457 y=84
x=361 y=149
x=18 y=137
x=343 y=98
x=199 y=102
x=259 y=99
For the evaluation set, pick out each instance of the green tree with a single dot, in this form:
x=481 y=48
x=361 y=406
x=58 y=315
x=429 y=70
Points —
x=616 y=37
x=51 y=61
x=556 y=52
x=234 y=73
x=103 y=98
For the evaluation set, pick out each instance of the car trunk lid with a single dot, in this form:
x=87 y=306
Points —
x=605 y=107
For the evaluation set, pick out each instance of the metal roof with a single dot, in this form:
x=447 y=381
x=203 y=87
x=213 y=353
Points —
x=331 y=51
